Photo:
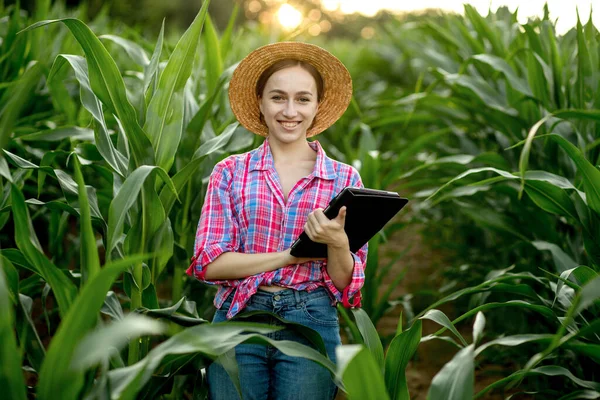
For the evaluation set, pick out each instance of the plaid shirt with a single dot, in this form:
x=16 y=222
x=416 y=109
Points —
x=244 y=211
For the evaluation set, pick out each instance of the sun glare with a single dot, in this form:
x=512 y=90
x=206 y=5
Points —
x=289 y=17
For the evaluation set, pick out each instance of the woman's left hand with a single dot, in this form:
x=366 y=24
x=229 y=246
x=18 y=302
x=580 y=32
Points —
x=331 y=232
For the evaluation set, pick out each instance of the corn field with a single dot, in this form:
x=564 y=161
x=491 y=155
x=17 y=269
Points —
x=490 y=126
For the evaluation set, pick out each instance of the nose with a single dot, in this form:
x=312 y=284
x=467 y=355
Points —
x=290 y=110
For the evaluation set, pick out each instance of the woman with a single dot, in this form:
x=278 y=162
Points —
x=259 y=202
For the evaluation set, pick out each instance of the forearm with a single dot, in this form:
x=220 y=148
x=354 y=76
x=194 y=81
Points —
x=232 y=265
x=340 y=265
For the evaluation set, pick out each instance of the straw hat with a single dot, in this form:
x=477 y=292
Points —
x=336 y=81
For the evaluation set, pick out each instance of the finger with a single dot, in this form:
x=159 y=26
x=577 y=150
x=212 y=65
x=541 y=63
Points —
x=341 y=217
x=320 y=216
x=309 y=231
x=315 y=227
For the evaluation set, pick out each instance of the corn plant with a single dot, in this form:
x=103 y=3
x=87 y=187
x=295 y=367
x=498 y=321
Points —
x=522 y=180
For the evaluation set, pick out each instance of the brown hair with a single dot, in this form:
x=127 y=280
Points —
x=283 y=64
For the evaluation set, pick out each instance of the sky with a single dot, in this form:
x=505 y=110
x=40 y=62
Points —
x=564 y=11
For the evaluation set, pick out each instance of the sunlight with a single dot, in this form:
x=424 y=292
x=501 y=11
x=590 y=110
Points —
x=565 y=12
x=289 y=17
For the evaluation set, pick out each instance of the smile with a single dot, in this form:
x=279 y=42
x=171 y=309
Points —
x=289 y=124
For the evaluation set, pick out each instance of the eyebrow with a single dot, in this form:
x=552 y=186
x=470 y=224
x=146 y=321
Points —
x=303 y=93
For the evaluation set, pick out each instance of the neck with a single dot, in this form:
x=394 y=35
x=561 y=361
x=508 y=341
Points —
x=290 y=152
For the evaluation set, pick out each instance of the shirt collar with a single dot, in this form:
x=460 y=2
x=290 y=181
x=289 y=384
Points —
x=262 y=159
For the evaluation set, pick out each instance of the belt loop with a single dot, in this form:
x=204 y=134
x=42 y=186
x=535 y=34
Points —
x=297 y=296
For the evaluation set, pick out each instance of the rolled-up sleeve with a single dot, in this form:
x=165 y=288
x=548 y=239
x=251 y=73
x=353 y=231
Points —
x=218 y=230
x=350 y=296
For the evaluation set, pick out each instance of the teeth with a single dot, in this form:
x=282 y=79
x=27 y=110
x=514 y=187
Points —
x=289 y=124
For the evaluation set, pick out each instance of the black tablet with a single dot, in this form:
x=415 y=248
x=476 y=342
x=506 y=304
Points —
x=367 y=212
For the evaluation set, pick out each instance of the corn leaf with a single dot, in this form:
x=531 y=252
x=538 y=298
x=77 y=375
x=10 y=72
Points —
x=212 y=340
x=133 y=50
x=90 y=261
x=590 y=174
x=126 y=197
x=107 y=83
x=360 y=373
x=456 y=379
x=439 y=317
x=213 y=62
x=370 y=336
x=151 y=72
x=57 y=378
x=164 y=117
x=20 y=96
x=90 y=102
x=100 y=344
x=64 y=289
x=562 y=260
x=551 y=198
x=11 y=377
x=400 y=352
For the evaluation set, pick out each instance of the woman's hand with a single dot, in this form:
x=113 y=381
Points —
x=331 y=232
x=292 y=260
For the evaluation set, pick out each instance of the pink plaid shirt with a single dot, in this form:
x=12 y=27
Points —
x=244 y=211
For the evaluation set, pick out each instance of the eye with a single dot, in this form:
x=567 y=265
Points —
x=304 y=100
x=277 y=97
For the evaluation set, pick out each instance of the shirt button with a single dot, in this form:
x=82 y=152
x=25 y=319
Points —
x=277 y=297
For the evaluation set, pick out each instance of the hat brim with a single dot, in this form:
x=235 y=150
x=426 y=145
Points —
x=337 y=92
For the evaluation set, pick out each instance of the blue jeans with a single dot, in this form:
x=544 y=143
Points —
x=265 y=372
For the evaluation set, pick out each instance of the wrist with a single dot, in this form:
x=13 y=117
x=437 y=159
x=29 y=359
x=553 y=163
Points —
x=341 y=243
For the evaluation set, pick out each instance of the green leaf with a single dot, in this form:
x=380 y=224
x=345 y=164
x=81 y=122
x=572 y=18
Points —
x=226 y=39
x=588 y=295
x=181 y=178
x=582 y=273
x=11 y=376
x=514 y=340
x=57 y=378
x=551 y=198
x=58 y=134
x=164 y=117
x=91 y=103
x=151 y=72
x=90 y=261
x=590 y=174
x=125 y=198
x=107 y=83
x=562 y=260
x=100 y=344
x=478 y=326
x=183 y=313
x=213 y=62
x=370 y=335
x=211 y=340
x=581 y=394
x=133 y=50
x=399 y=353
x=441 y=318
x=548 y=370
x=360 y=373
x=19 y=98
x=502 y=66
x=64 y=289
x=456 y=379
x=484 y=92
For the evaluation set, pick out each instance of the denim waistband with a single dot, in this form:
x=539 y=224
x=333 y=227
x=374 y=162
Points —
x=288 y=297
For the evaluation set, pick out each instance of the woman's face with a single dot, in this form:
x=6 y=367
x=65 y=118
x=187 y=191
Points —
x=289 y=104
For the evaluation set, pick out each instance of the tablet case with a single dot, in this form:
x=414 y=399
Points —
x=367 y=212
